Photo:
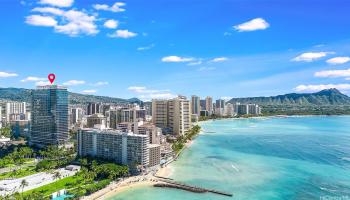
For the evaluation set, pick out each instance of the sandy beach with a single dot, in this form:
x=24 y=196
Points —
x=135 y=181
x=117 y=187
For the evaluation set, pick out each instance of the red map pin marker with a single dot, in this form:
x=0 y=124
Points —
x=51 y=78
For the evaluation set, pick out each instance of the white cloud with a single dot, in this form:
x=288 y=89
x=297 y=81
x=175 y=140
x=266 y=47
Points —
x=206 y=69
x=71 y=22
x=333 y=73
x=116 y=7
x=38 y=20
x=100 y=83
x=89 y=91
x=122 y=34
x=338 y=60
x=219 y=59
x=112 y=24
x=252 y=25
x=146 y=47
x=42 y=83
x=315 y=88
x=147 y=94
x=50 y=10
x=58 y=3
x=7 y=75
x=78 y=22
x=311 y=56
x=74 y=82
x=176 y=59
x=33 y=78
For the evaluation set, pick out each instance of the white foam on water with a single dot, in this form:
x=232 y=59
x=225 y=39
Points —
x=234 y=167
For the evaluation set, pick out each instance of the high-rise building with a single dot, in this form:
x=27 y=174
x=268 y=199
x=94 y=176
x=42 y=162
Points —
x=154 y=155
x=203 y=104
x=160 y=113
x=254 y=109
x=220 y=107
x=124 y=148
x=209 y=105
x=179 y=115
x=133 y=114
x=229 y=110
x=49 y=116
x=154 y=133
x=247 y=109
x=15 y=111
x=76 y=115
x=195 y=105
x=242 y=109
x=174 y=115
x=94 y=108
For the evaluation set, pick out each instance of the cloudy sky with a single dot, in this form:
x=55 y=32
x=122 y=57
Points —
x=158 y=49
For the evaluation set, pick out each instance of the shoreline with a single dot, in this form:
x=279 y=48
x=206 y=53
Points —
x=116 y=188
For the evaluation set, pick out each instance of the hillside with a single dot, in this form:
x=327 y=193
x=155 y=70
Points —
x=20 y=94
x=329 y=101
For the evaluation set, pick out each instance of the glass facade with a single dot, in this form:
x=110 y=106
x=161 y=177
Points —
x=49 y=116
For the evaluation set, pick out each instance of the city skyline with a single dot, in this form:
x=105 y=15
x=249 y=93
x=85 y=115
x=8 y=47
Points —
x=225 y=49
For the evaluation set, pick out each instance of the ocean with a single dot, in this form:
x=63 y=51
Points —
x=269 y=158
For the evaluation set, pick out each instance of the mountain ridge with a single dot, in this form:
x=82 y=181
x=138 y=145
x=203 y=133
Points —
x=23 y=94
x=324 y=97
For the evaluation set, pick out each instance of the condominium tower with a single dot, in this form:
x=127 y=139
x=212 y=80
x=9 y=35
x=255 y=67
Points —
x=173 y=114
x=209 y=105
x=195 y=105
x=15 y=111
x=49 y=116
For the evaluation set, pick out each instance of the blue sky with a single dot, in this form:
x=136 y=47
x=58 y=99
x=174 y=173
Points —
x=158 y=49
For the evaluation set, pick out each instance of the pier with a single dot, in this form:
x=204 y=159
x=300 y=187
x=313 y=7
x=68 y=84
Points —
x=187 y=187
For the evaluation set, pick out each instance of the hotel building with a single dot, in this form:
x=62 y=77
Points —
x=122 y=147
x=172 y=115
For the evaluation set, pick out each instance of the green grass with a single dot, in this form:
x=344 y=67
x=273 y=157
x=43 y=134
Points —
x=73 y=184
x=19 y=173
x=64 y=183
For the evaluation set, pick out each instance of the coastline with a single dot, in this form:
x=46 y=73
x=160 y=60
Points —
x=148 y=180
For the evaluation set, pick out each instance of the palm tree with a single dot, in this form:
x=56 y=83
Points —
x=56 y=175
x=24 y=183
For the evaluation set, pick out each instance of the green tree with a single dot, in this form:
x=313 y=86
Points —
x=24 y=183
x=57 y=175
x=6 y=131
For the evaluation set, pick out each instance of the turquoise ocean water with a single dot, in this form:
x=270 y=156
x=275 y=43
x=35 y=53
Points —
x=263 y=158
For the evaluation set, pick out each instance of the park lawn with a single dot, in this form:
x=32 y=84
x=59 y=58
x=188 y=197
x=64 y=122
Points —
x=64 y=183
x=19 y=173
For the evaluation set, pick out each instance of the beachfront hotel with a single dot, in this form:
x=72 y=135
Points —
x=49 y=118
x=173 y=116
x=124 y=148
